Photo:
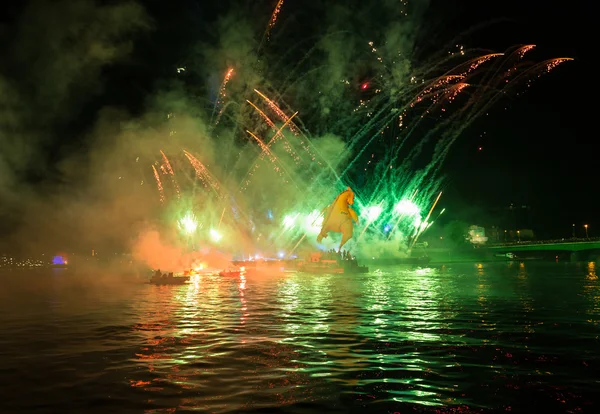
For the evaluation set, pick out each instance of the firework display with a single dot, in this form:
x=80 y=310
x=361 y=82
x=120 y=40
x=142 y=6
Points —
x=256 y=180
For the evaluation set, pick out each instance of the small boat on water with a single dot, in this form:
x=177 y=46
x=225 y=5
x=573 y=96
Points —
x=507 y=255
x=167 y=279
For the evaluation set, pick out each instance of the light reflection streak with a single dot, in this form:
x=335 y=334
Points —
x=525 y=298
x=421 y=297
x=592 y=292
x=306 y=309
x=379 y=306
x=483 y=291
x=244 y=305
x=311 y=300
x=409 y=312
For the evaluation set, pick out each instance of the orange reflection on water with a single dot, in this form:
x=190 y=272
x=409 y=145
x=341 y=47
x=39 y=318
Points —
x=592 y=292
x=244 y=308
x=591 y=271
x=192 y=333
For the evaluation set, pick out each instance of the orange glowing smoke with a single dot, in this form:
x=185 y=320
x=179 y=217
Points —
x=156 y=254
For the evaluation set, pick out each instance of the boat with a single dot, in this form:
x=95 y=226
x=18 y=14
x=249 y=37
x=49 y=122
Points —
x=167 y=279
x=230 y=272
x=330 y=263
x=507 y=255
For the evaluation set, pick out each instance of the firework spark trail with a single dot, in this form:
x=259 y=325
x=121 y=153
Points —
x=305 y=142
x=538 y=70
x=474 y=64
x=273 y=19
x=221 y=97
x=277 y=165
x=369 y=222
x=265 y=150
x=293 y=76
x=524 y=49
x=420 y=230
x=172 y=173
x=263 y=115
x=515 y=58
x=436 y=84
x=203 y=174
x=450 y=94
x=508 y=66
x=518 y=55
x=161 y=191
x=383 y=121
x=382 y=124
x=297 y=244
x=278 y=133
x=287 y=146
x=292 y=126
x=273 y=106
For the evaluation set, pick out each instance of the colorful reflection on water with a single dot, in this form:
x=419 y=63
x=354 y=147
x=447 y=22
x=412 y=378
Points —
x=460 y=337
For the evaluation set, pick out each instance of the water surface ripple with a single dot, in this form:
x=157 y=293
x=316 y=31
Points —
x=520 y=337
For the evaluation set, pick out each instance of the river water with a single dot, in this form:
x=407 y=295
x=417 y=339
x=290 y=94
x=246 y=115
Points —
x=519 y=337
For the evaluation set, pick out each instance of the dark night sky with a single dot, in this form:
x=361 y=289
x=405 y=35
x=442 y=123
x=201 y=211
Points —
x=541 y=151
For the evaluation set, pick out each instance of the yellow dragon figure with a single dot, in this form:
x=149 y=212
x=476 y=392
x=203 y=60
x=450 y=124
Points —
x=339 y=217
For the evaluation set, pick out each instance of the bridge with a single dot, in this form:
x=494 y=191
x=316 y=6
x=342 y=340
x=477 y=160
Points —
x=571 y=245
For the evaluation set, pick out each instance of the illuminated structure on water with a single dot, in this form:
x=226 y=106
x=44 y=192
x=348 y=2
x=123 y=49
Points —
x=59 y=260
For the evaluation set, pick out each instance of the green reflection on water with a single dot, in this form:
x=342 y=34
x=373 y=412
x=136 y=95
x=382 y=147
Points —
x=402 y=311
x=305 y=305
x=405 y=335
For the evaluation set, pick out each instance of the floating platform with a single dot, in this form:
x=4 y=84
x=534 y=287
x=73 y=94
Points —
x=332 y=267
x=330 y=263
x=251 y=264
